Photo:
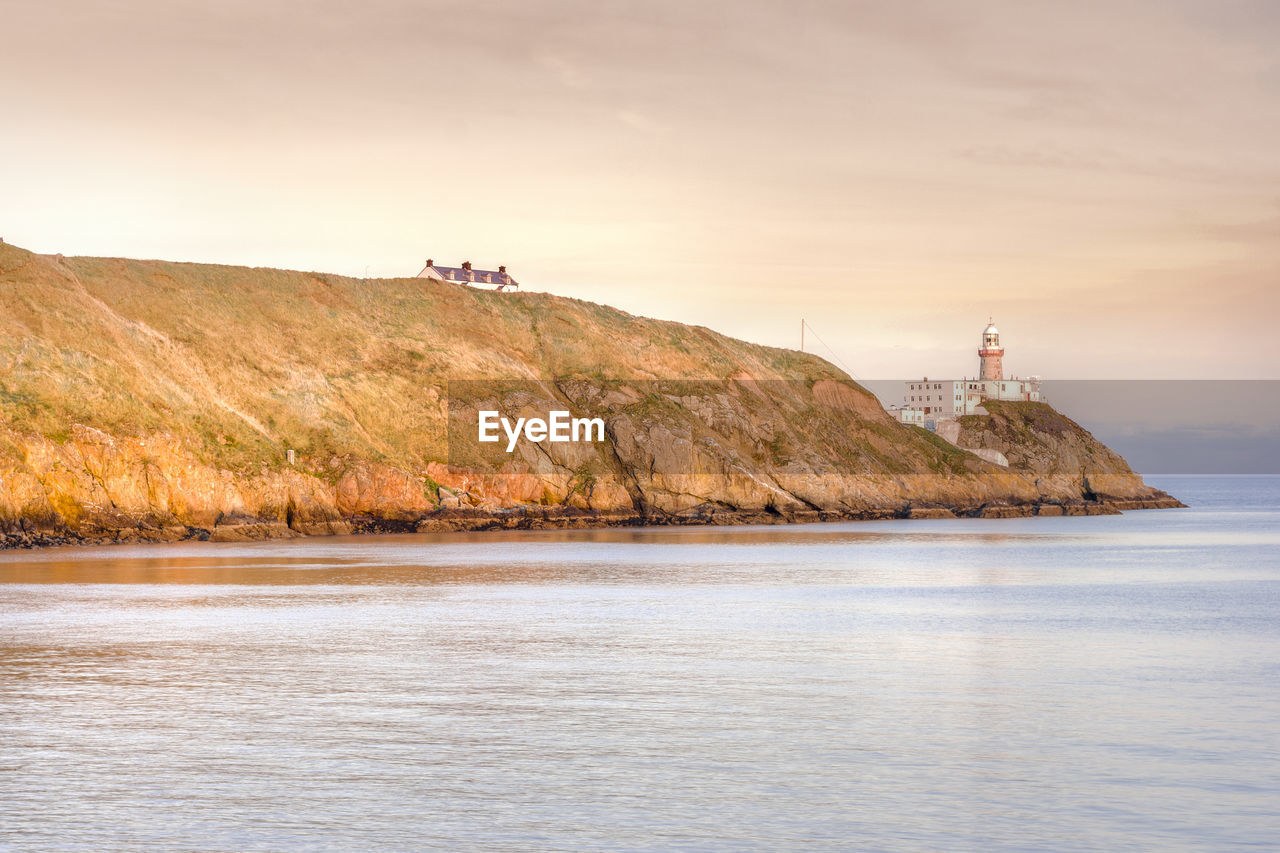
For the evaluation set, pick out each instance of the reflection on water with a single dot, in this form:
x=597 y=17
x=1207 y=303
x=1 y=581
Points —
x=1082 y=683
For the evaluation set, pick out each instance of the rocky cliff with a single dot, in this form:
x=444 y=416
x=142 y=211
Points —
x=155 y=400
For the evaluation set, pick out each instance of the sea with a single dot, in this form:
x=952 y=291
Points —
x=1086 y=684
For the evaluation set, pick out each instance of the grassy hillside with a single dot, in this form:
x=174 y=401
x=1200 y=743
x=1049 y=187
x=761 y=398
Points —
x=246 y=362
x=163 y=397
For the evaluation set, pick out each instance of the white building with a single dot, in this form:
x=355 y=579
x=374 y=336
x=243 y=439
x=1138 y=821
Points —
x=466 y=275
x=926 y=402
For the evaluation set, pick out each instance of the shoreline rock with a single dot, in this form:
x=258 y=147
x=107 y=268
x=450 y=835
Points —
x=553 y=518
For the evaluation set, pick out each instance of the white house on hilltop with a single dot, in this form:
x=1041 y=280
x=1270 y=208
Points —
x=928 y=402
x=468 y=276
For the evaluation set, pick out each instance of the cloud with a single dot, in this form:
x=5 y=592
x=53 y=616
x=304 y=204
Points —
x=642 y=123
x=1111 y=161
x=568 y=73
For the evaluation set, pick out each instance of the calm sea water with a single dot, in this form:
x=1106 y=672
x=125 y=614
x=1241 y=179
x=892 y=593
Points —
x=1065 y=684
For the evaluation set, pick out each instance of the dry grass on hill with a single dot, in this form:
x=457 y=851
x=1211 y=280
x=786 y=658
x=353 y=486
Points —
x=243 y=362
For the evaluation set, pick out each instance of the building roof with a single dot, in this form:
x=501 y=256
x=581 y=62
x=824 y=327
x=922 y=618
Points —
x=463 y=275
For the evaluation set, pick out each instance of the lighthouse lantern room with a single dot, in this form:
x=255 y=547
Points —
x=991 y=354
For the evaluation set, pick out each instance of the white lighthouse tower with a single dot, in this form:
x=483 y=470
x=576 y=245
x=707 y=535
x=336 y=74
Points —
x=930 y=404
x=991 y=354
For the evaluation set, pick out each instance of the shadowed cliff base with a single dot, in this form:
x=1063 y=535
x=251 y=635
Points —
x=149 y=400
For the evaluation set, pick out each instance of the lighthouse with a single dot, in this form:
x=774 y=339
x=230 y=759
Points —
x=928 y=404
x=990 y=354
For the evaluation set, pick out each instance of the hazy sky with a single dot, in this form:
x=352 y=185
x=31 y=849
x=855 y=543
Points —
x=1102 y=178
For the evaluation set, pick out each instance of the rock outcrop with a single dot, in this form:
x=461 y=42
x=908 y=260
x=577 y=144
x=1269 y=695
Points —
x=144 y=400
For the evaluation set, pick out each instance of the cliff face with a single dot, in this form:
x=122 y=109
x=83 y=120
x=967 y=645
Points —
x=1042 y=442
x=154 y=400
x=1037 y=439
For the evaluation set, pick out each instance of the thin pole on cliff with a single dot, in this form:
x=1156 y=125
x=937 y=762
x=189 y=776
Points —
x=835 y=355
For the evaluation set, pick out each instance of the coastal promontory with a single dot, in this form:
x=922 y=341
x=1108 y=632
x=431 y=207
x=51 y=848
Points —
x=151 y=400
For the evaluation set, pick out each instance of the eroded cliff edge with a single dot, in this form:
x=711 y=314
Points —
x=147 y=400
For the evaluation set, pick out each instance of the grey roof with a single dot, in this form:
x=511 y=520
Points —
x=472 y=276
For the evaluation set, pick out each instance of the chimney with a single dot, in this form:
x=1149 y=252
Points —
x=466 y=265
x=502 y=269
x=430 y=262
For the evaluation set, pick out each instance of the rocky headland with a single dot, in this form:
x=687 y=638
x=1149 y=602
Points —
x=156 y=401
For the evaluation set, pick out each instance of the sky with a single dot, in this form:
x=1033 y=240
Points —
x=1103 y=179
